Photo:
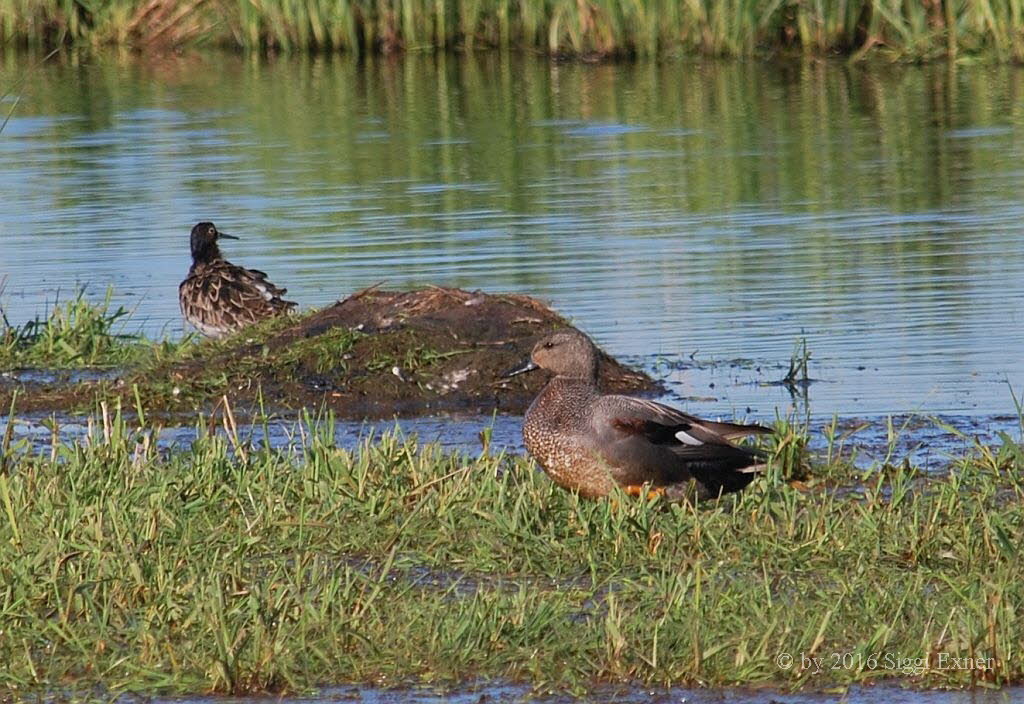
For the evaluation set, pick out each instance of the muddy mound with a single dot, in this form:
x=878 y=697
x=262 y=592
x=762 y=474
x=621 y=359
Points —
x=375 y=354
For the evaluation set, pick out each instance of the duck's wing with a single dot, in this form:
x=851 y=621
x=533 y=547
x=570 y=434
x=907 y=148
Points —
x=666 y=422
x=674 y=446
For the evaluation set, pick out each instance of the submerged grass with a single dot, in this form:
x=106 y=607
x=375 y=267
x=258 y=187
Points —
x=918 y=30
x=230 y=567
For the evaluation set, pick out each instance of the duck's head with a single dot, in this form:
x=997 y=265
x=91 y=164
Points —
x=204 y=241
x=567 y=353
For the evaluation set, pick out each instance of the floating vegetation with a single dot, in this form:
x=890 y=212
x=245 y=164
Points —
x=913 y=30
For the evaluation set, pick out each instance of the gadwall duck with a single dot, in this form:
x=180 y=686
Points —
x=590 y=442
x=218 y=297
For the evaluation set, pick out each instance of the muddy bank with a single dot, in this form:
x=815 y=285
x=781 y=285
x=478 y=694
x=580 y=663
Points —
x=375 y=354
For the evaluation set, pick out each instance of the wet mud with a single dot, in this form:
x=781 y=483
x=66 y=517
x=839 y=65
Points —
x=375 y=354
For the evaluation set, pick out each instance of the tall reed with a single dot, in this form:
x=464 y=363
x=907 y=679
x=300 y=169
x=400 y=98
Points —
x=914 y=30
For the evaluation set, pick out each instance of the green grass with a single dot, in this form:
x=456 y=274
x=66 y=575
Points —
x=915 y=30
x=74 y=334
x=84 y=334
x=229 y=567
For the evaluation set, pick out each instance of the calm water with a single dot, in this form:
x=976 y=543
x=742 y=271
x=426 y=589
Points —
x=695 y=218
x=929 y=445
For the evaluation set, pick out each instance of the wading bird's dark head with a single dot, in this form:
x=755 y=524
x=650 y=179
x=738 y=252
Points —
x=567 y=353
x=204 y=241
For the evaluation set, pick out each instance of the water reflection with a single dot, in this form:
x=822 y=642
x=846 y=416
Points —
x=719 y=210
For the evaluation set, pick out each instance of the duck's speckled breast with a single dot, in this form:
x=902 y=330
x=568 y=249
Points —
x=555 y=432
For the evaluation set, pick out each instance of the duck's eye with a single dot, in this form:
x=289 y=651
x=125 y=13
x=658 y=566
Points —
x=548 y=345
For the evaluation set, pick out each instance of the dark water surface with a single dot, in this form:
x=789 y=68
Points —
x=695 y=218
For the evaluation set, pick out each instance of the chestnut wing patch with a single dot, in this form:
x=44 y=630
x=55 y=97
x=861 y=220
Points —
x=659 y=433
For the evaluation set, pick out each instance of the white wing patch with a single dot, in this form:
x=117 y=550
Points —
x=687 y=439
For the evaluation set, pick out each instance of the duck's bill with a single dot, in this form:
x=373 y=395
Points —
x=528 y=367
x=225 y=236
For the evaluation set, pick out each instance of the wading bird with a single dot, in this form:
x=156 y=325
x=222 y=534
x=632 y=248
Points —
x=219 y=297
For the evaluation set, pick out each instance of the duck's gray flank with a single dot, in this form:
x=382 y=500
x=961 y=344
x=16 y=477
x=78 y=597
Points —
x=590 y=442
x=218 y=297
